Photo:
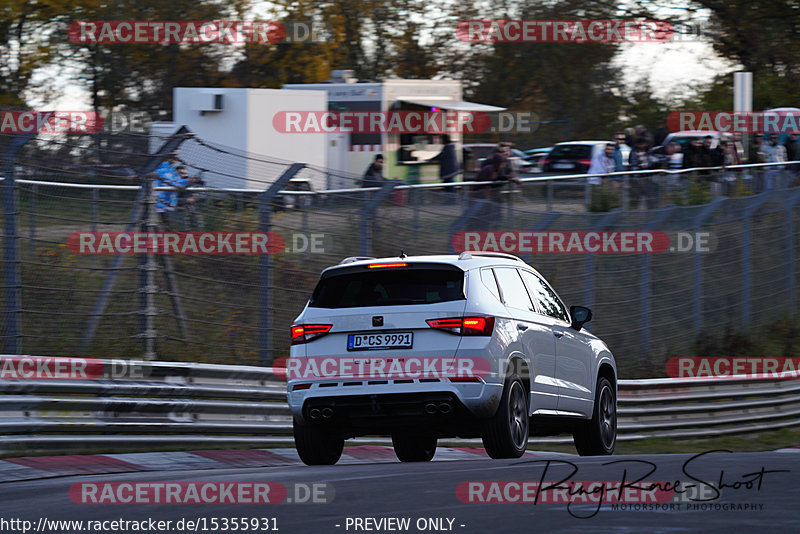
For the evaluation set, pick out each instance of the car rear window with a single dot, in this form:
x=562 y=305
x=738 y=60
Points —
x=389 y=287
x=572 y=151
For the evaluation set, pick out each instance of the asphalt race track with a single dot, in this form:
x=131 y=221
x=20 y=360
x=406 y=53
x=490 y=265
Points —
x=754 y=496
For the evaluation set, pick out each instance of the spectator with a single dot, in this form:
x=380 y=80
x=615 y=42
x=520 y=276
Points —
x=754 y=154
x=711 y=157
x=772 y=152
x=793 y=153
x=692 y=156
x=509 y=170
x=630 y=136
x=620 y=147
x=373 y=177
x=496 y=169
x=673 y=152
x=642 y=186
x=660 y=134
x=640 y=131
x=186 y=198
x=448 y=161
x=792 y=148
x=736 y=149
x=166 y=176
x=448 y=166
x=602 y=163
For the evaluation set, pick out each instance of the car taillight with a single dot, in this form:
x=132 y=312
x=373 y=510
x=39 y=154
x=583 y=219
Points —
x=586 y=162
x=297 y=387
x=543 y=162
x=386 y=265
x=464 y=326
x=303 y=333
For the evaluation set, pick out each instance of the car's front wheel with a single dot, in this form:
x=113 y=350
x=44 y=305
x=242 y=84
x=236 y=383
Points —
x=506 y=434
x=317 y=445
x=598 y=436
x=413 y=447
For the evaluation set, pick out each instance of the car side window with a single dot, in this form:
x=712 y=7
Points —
x=514 y=293
x=546 y=300
x=488 y=279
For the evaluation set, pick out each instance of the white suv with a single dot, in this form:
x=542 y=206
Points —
x=543 y=372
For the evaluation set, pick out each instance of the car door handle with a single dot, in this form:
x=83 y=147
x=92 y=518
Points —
x=522 y=326
x=558 y=333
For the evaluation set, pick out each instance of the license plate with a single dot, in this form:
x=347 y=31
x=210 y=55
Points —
x=392 y=340
x=563 y=165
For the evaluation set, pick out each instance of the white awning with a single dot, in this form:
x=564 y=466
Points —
x=449 y=103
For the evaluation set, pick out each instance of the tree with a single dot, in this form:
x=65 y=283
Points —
x=761 y=36
x=25 y=45
x=573 y=83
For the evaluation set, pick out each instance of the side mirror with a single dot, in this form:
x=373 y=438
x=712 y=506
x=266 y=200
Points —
x=580 y=315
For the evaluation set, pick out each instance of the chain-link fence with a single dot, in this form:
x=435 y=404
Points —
x=738 y=271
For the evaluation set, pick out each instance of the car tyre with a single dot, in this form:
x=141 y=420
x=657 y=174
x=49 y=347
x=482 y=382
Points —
x=505 y=435
x=598 y=436
x=414 y=447
x=317 y=445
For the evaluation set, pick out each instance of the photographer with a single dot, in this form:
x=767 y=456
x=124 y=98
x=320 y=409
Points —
x=187 y=199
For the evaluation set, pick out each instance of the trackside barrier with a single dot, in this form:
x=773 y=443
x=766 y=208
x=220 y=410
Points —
x=136 y=404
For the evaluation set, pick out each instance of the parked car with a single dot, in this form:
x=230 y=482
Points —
x=536 y=155
x=546 y=372
x=523 y=164
x=684 y=138
x=575 y=157
x=479 y=152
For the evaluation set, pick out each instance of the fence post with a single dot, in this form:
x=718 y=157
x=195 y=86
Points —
x=625 y=196
x=645 y=287
x=415 y=193
x=11 y=262
x=541 y=226
x=697 y=264
x=95 y=197
x=790 y=204
x=588 y=289
x=147 y=270
x=509 y=202
x=749 y=212
x=265 y=264
x=587 y=194
x=368 y=215
x=152 y=164
x=32 y=221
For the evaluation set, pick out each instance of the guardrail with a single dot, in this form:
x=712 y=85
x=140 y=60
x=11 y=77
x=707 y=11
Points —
x=164 y=404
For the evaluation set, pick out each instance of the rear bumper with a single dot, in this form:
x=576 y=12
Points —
x=381 y=407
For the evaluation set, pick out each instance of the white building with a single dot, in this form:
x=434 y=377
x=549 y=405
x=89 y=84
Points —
x=353 y=152
x=252 y=154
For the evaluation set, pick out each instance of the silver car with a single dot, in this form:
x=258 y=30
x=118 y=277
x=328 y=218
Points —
x=429 y=347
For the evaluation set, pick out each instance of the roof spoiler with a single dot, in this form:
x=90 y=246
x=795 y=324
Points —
x=352 y=259
x=468 y=255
